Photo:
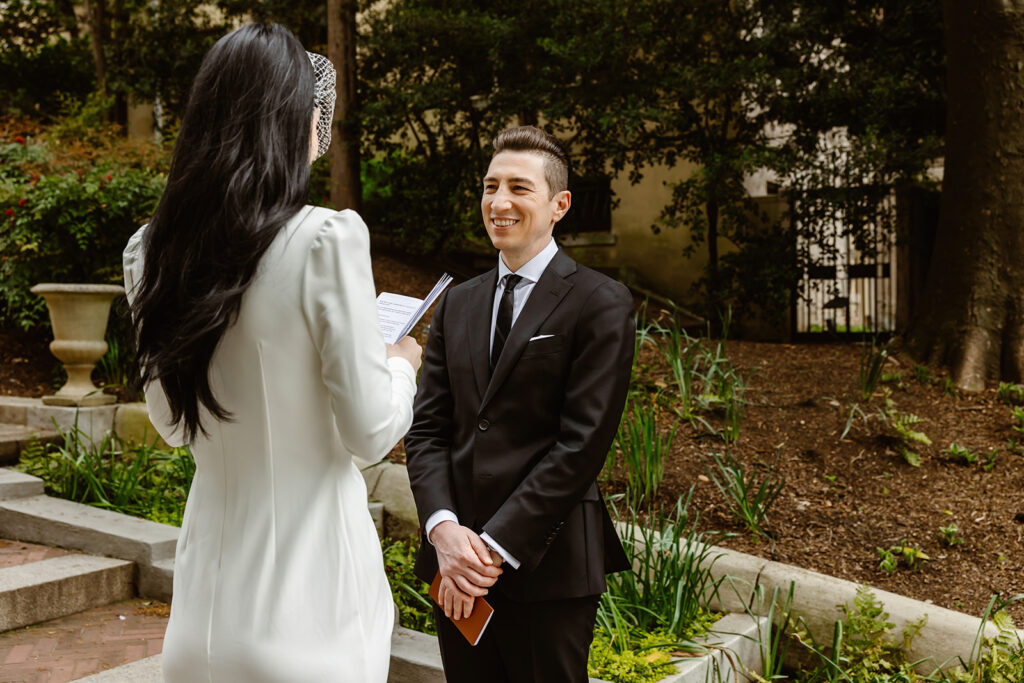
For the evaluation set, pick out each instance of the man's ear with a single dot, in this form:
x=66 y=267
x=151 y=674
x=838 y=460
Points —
x=562 y=201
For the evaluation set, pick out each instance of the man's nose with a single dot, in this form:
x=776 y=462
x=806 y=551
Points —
x=501 y=200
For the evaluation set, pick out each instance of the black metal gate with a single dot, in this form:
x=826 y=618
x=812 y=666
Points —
x=848 y=286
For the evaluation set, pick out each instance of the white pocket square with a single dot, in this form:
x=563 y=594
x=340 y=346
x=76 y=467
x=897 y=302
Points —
x=541 y=336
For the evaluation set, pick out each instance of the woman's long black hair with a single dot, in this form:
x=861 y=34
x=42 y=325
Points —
x=240 y=170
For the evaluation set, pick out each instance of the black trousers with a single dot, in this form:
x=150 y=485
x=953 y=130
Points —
x=526 y=642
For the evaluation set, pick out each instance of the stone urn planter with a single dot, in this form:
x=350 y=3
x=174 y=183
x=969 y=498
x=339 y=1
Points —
x=78 y=313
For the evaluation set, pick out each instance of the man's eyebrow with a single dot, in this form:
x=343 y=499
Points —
x=521 y=181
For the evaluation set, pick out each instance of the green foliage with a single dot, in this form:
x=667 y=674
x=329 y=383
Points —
x=647 y=664
x=905 y=554
x=643 y=446
x=671 y=581
x=403 y=199
x=923 y=375
x=949 y=388
x=65 y=223
x=1018 y=417
x=1012 y=394
x=959 y=453
x=749 y=500
x=415 y=606
x=862 y=650
x=901 y=426
x=135 y=479
x=951 y=535
x=998 y=658
x=872 y=360
x=705 y=380
x=41 y=55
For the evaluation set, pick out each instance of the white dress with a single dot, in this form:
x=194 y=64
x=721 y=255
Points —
x=279 y=574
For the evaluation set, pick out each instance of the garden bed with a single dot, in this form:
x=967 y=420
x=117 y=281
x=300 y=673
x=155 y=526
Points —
x=845 y=498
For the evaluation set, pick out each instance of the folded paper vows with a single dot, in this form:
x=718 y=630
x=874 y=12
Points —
x=471 y=627
x=397 y=314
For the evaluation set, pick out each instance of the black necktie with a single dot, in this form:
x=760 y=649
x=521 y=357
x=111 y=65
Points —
x=504 y=323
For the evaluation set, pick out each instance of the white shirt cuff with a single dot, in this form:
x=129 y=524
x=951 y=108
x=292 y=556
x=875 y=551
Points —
x=443 y=515
x=486 y=537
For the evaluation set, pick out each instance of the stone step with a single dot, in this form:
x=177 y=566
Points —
x=414 y=659
x=59 y=586
x=14 y=438
x=15 y=484
x=57 y=522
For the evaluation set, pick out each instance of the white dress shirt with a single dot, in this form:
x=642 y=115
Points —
x=530 y=272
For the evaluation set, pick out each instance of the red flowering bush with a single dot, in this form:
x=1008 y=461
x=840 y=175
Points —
x=67 y=218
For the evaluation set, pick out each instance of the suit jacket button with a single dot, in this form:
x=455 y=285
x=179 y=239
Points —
x=483 y=425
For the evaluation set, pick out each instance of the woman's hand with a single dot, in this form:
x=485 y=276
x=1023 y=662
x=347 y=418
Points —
x=409 y=349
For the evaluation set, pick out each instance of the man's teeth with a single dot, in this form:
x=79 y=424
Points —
x=503 y=222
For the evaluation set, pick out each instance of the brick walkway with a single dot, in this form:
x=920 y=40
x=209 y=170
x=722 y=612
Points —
x=82 y=644
x=14 y=553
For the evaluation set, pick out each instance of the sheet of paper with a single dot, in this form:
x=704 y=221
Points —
x=393 y=312
x=398 y=314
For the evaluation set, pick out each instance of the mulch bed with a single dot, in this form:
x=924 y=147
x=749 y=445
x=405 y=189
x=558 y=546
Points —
x=842 y=499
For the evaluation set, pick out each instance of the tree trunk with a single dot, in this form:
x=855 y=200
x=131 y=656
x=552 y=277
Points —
x=973 y=314
x=346 y=188
x=96 y=12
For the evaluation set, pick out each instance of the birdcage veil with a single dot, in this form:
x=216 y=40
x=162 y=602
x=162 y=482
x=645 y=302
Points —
x=323 y=97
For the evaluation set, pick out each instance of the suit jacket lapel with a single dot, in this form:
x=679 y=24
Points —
x=478 y=327
x=546 y=295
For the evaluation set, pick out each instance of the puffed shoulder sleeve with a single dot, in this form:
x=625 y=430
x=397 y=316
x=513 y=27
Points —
x=371 y=395
x=156 y=401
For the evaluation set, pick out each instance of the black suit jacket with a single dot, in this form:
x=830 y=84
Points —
x=516 y=453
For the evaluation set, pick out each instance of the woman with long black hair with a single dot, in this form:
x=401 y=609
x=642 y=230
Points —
x=258 y=346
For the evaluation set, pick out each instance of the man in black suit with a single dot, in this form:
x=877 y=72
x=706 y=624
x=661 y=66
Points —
x=524 y=380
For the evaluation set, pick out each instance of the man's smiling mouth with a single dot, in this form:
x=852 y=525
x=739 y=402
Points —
x=504 y=222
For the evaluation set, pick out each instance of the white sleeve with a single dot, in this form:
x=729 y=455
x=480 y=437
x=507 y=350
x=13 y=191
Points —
x=156 y=401
x=371 y=395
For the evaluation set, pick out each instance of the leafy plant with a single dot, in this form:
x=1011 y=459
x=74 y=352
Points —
x=906 y=554
x=995 y=659
x=66 y=223
x=872 y=360
x=648 y=662
x=136 y=479
x=682 y=353
x=959 y=453
x=411 y=595
x=862 y=650
x=951 y=535
x=889 y=562
x=749 y=500
x=1012 y=394
x=644 y=447
x=893 y=378
x=671 y=579
x=923 y=374
x=901 y=425
x=949 y=388
x=1018 y=417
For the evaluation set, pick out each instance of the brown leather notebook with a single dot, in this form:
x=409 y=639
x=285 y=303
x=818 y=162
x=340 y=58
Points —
x=471 y=627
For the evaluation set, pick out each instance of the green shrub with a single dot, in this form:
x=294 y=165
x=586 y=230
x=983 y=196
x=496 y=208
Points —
x=67 y=225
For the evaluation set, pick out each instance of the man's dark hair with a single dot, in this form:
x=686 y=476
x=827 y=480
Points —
x=533 y=139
